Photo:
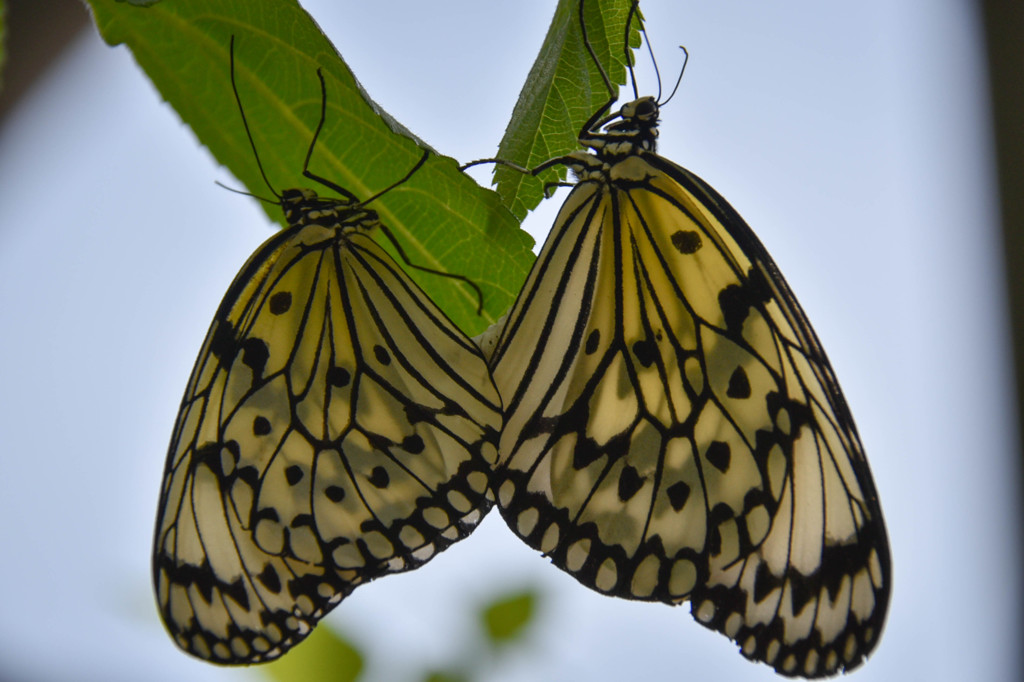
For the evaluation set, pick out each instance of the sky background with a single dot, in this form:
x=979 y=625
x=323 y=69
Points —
x=854 y=139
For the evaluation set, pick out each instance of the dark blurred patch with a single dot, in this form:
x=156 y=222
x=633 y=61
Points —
x=1004 y=30
x=37 y=32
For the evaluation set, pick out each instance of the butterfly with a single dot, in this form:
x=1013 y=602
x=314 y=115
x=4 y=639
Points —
x=337 y=427
x=673 y=429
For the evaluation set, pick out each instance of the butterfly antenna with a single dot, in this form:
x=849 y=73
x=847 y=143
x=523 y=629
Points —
x=245 y=194
x=333 y=185
x=383 y=228
x=403 y=179
x=593 y=55
x=686 y=60
x=245 y=122
x=312 y=145
x=441 y=273
x=401 y=252
x=633 y=9
x=650 y=51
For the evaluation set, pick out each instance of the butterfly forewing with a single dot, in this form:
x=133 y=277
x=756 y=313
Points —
x=673 y=429
x=337 y=427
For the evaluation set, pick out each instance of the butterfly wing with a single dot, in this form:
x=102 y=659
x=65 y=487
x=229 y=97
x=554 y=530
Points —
x=675 y=432
x=336 y=427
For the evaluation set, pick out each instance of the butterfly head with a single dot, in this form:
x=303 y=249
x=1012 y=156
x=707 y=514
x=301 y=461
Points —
x=633 y=128
x=641 y=111
x=305 y=207
x=639 y=120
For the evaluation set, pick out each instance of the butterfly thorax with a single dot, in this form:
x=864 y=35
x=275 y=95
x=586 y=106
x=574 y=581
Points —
x=305 y=207
x=623 y=135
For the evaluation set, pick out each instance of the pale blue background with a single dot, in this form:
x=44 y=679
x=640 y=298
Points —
x=853 y=137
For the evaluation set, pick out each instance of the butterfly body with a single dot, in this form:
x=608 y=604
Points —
x=673 y=429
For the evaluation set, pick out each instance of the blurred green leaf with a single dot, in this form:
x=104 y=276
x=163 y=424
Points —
x=442 y=218
x=324 y=656
x=506 y=619
x=564 y=88
x=445 y=677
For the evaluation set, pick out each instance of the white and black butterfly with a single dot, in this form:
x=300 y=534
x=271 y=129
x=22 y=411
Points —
x=337 y=427
x=673 y=429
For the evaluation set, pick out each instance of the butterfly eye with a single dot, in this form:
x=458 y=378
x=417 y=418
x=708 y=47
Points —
x=646 y=108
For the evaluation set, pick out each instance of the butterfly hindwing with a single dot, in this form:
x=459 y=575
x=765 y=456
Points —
x=337 y=427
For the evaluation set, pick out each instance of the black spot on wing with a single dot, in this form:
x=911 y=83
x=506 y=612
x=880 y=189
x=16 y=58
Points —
x=293 y=474
x=630 y=483
x=646 y=352
x=302 y=520
x=678 y=493
x=734 y=307
x=379 y=478
x=338 y=377
x=416 y=413
x=739 y=384
x=719 y=455
x=413 y=445
x=280 y=302
x=764 y=582
x=250 y=475
x=270 y=579
x=209 y=454
x=255 y=355
x=260 y=426
x=223 y=344
x=686 y=241
x=736 y=300
x=204 y=579
x=266 y=513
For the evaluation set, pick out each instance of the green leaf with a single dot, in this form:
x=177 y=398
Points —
x=441 y=217
x=564 y=88
x=507 y=618
x=445 y=676
x=324 y=656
